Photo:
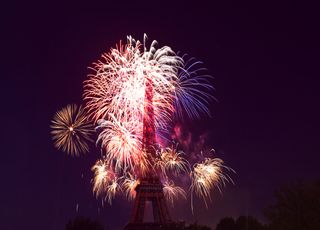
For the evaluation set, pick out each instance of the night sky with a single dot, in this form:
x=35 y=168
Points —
x=265 y=124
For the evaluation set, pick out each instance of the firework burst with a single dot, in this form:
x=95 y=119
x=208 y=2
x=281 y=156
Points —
x=172 y=160
x=119 y=81
x=112 y=189
x=119 y=140
x=172 y=192
x=102 y=177
x=193 y=89
x=207 y=175
x=129 y=185
x=71 y=130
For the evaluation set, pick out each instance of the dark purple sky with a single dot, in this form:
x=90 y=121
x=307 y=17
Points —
x=265 y=61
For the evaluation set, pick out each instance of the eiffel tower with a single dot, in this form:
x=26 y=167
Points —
x=150 y=188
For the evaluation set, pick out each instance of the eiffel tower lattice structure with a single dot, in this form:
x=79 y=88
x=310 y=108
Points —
x=150 y=188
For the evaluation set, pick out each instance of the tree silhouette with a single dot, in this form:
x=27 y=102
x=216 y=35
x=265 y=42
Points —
x=81 y=223
x=297 y=207
x=226 y=223
x=242 y=223
x=248 y=223
x=196 y=226
x=183 y=226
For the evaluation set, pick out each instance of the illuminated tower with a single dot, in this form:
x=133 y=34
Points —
x=150 y=188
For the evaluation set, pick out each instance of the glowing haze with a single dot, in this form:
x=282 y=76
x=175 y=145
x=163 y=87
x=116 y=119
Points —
x=115 y=102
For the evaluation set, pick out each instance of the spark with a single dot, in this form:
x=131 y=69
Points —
x=71 y=131
x=171 y=159
x=172 y=192
x=102 y=177
x=207 y=175
x=192 y=90
x=120 y=142
x=112 y=189
x=129 y=184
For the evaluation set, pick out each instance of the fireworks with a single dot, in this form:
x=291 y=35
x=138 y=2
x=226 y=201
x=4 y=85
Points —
x=102 y=177
x=112 y=189
x=192 y=90
x=133 y=96
x=71 y=130
x=171 y=160
x=118 y=84
x=172 y=192
x=120 y=142
x=208 y=175
x=106 y=182
x=129 y=185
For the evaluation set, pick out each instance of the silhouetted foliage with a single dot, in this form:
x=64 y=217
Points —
x=197 y=226
x=226 y=223
x=81 y=223
x=297 y=207
x=183 y=226
x=248 y=223
x=175 y=226
x=242 y=223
